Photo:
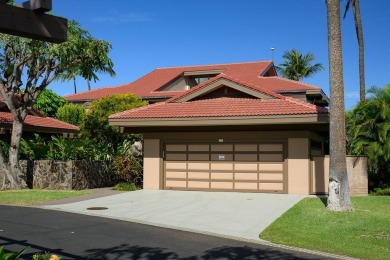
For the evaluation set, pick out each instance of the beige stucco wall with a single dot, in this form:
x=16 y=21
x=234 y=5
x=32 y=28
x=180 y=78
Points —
x=357 y=175
x=152 y=161
x=298 y=166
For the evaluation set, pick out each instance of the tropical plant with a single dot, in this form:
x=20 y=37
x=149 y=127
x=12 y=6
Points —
x=49 y=102
x=339 y=198
x=98 y=61
x=368 y=130
x=38 y=64
x=96 y=127
x=71 y=113
x=359 y=33
x=297 y=65
x=35 y=148
x=129 y=168
x=10 y=255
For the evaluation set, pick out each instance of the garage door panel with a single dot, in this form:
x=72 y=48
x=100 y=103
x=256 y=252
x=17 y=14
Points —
x=245 y=186
x=252 y=167
x=245 y=176
x=198 y=166
x=176 y=175
x=221 y=176
x=198 y=175
x=246 y=157
x=198 y=184
x=176 y=147
x=222 y=157
x=271 y=157
x=245 y=166
x=270 y=147
x=222 y=148
x=221 y=166
x=245 y=148
x=271 y=176
x=271 y=167
x=176 y=184
x=271 y=186
x=198 y=157
x=198 y=148
x=222 y=185
x=175 y=166
x=176 y=157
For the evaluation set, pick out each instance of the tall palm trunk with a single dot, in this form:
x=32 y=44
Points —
x=338 y=199
x=359 y=34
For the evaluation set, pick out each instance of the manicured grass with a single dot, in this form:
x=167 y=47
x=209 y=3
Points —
x=363 y=233
x=31 y=197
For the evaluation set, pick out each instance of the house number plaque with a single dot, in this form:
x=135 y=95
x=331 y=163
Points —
x=221 y=157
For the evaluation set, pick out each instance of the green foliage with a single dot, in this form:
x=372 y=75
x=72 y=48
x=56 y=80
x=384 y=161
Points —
x=4 y=148
x=59 y=148
x=368 y=132
x=125 y=186
x=380 y=192
x=34 y=148
x=96 y=127
x=10 y=255
x=49 y=102
x=129 y=168
x=71 y=113
x=297 y=66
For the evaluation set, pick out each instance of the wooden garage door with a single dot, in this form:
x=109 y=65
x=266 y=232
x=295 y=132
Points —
x=254 y=167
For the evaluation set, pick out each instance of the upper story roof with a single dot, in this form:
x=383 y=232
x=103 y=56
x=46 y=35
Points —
x=155 y=85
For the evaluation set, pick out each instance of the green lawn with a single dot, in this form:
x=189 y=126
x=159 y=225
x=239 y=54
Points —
x=31 y=197
x=363 y=233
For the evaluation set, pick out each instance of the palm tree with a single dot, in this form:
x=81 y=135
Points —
x=359 y=34
x=297 y=66
x=368 y=131
x=339 y=198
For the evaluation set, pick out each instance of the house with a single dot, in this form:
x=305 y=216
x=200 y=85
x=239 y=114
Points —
x=35 y=122
x=226 y=127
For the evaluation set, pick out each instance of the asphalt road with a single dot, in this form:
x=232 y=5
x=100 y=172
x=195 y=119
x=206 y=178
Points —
x=74 y=236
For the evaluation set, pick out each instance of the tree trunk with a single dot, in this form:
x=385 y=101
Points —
x=338 y=199
x=74 y=84
x=89 y=84
x=359 y=34
x=14 y=174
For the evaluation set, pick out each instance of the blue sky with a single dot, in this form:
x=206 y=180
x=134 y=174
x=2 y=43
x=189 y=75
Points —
x=149 y=34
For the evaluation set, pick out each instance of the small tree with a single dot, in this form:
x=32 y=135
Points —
x=96 y=127
x=49 y=102
x=33 y=65
x=71 y=113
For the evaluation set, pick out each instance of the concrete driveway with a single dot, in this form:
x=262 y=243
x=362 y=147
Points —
x=234 y=215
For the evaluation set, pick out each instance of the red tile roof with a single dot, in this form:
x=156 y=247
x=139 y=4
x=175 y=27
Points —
x=222 y=107
x=147 y=86
x=41 y=122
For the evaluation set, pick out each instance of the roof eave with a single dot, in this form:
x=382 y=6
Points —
x=316 y=118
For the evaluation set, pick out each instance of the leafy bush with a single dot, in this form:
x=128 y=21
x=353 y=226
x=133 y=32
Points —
x=33 y=149
x=125 y=186
x=129 y=168
x=380 y=192
x=368 y=133
x=49 y=102
x=71 y=113
x=96 y=127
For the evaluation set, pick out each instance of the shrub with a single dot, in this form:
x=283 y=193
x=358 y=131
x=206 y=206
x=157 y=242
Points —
x=125 y=186
x=129 y=168
x=381 y=192
x=10 y=255
x=71 y=113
